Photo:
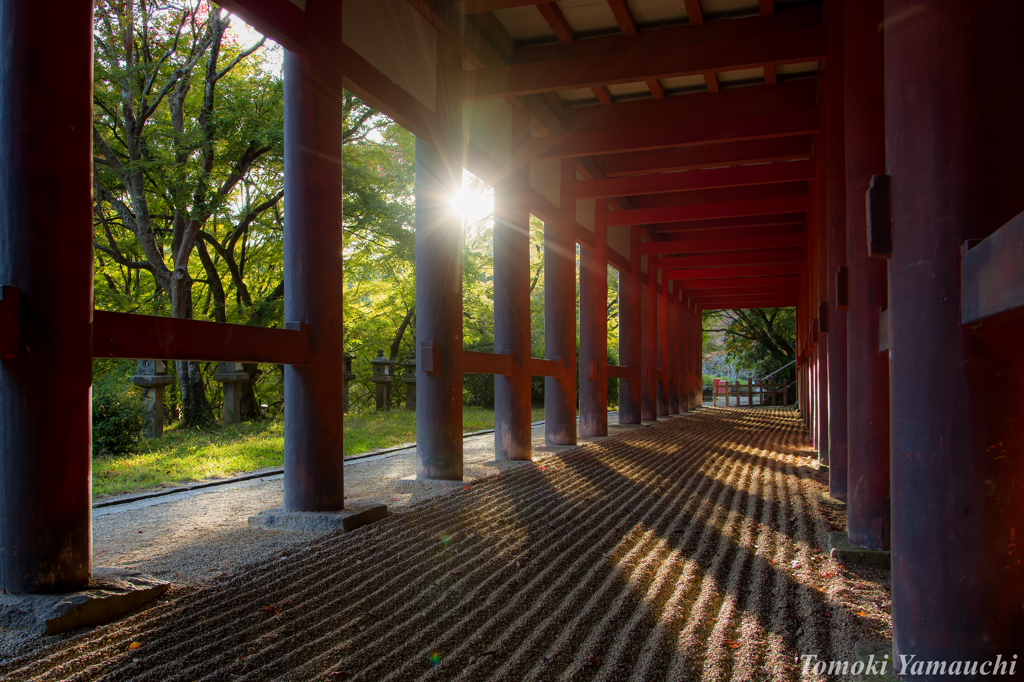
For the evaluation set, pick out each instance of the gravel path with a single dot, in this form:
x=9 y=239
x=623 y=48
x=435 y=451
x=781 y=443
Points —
x=689 y=550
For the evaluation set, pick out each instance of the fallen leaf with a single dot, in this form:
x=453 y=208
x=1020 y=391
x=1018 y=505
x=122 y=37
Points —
x=861 y=613
x=134 y=645
x=466 y=488
x=270 y=609
x=732 y=644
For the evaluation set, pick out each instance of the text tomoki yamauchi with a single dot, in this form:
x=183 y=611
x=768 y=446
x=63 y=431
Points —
x=909 y=665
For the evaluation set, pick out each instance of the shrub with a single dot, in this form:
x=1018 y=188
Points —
x=117 y=414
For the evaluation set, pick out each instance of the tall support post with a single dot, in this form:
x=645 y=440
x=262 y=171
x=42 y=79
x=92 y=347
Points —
x=439 y=240
x=313 y=122
x=46 y=233
x=594 y=329
x=663 y=354
x=672 y=350
x=560 y=316
x=683 y=350
x=818 y=282
x=649 y=343
x=868 y=369
x=512 y=439
x=953 y=143
x=835 y=217
x=697 y=356
x=629 y=333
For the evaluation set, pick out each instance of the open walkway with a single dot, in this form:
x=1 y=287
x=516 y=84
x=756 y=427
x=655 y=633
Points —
x=691 y=549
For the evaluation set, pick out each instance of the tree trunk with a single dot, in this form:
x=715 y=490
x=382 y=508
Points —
x=195 y=408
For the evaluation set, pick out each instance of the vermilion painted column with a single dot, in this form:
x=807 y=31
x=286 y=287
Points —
x=835 y=224
x=560 y=317
x=313 y=448
x=439 y=281
x=697 y=356
x=672 y=351
x=683 y=351
x=663 y=353
x=649 y=344
x=629 y=333
x=594 y=330
x=818 y=280
x=512 y=438
x=868 y=369
x=954 y=139
x=46 y=232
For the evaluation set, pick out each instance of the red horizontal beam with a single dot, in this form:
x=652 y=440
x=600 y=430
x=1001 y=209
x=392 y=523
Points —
x=545 y=368
x=708 y=156
x=691 y=107
x=721 y=195
x=787 y=38
x=474 y=362
x=743 y=282
x=279 y=20
x=718 y=259
x=370 y=85
x=671 y=214
x=707 y=131
x=778 y=219
x=991 y=276
x=730 y=232
x=742 y=292
x=477 y=6
x=121 y=335
x=740 y=305
x=695 y=180
x=710 y=245
x=619 y=372
x=742 y=271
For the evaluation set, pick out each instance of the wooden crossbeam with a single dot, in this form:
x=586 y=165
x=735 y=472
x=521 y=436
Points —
x=557 y=21
x=761 y=291
x=741 y=271
x=731 y=129
x=603 y=94
x=794 y=36
x=991 y=277
x=644 y=216
x=767 y=7
x=474 y=362
x=711 y=81
x=719 y=259
x=719 y=195
x=623 y=16
x=743 y=305
x=121 y=335
x=545 y=368
x=478 y=6
x=769 y=75
x=712 y=245
x=779 y=220
x=654 y=85
x=370 y=85
x=694 y=12
x=279 y=20
x=730 y=233
x=693 y=180
x=742 y=283
x=705 y=156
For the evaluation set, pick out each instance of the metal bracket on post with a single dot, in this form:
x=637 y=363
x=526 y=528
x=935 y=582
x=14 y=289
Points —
x=591 y=369
x=429 y=361
x=842 y=288
x=823 y=317
x=879 y=216
x=10 y=311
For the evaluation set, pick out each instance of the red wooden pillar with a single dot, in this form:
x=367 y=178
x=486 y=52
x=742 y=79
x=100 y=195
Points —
x=313 y=96
x=697 y=356
x=835 y=217
x=46 y=232
x=663 y=353
x=672 y=349
x=439 y=280
x=818 y=279
x=512 y=438
x=868 y=369
x=594 y=330
x=649 y=343
x=560 y=317
x=683 y=352
x=953 y=141
x=629 y=333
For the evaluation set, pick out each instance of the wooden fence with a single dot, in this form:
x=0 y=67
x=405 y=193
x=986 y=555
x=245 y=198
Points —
x=757 y=393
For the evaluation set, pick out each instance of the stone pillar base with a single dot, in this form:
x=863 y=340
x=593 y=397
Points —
x=851 y=555
x=111 y=593
x=353 y=516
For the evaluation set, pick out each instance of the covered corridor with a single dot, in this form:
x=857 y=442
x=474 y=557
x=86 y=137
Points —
x=686 y=550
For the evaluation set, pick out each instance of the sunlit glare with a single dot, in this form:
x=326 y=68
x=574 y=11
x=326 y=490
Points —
x=474 y=202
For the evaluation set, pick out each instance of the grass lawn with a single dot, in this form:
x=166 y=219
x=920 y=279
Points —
x=181 y=456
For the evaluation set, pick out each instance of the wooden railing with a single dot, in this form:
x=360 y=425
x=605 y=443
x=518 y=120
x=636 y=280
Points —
x=757 y=393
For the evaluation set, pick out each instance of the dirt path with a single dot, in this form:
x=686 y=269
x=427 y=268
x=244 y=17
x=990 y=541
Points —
x=690 y=550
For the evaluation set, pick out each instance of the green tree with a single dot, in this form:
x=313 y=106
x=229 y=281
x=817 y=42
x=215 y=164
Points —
x=759 y=339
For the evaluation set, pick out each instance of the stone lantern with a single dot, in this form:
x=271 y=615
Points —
x=409 y=379
x=234 y=379
x=152 y=376
x=382 y=376
x=347 y=376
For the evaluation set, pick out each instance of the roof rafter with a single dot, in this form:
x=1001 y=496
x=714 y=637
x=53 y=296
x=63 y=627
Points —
x=723 y=259
x=693 y=180
x=707 y=156
x=623 y=16
x=712 y=245
x=557 y=21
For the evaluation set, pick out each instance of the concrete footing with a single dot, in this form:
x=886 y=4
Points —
x=842 y=551
x=876 y=657
x=411 y=484
x=111 y=593
x=353 y=516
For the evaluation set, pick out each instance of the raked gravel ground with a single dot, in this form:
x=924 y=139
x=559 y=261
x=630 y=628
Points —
x=693 y=549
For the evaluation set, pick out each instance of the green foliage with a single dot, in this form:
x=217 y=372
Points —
x=761 y=340
x=117 y=413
